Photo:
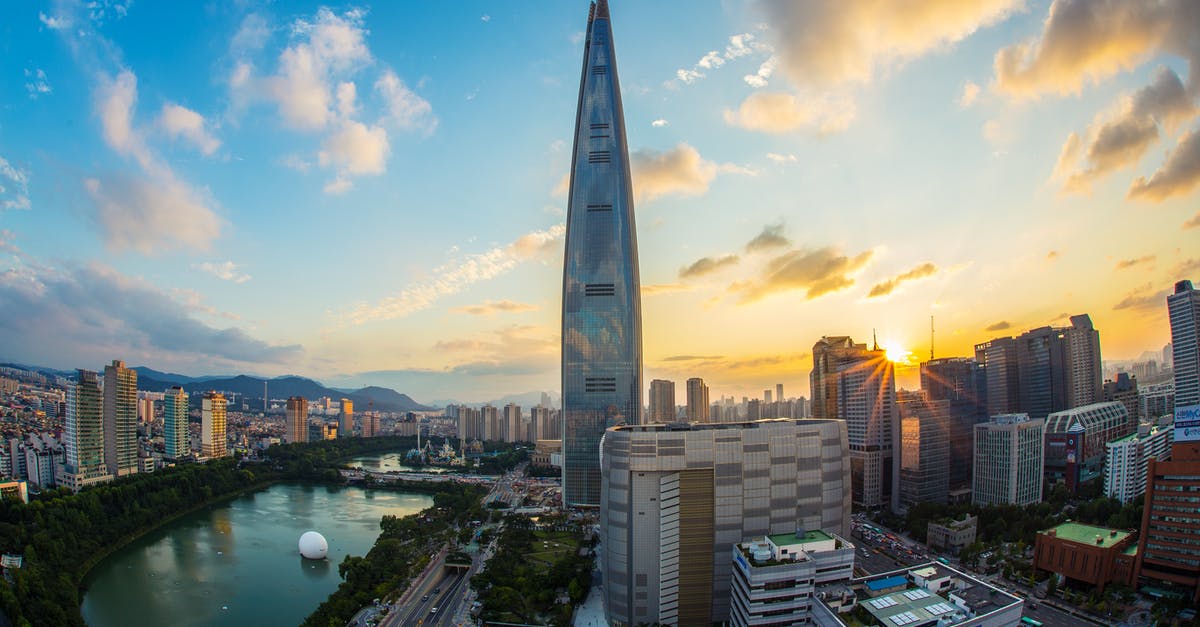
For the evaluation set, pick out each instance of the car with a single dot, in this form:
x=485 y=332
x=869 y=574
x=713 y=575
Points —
x=433 y=610
x=425 y=597
x=437 y=590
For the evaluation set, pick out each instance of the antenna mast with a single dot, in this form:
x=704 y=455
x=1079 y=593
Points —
x=930 y=338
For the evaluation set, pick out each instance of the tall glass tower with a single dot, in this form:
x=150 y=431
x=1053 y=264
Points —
x=602 y=312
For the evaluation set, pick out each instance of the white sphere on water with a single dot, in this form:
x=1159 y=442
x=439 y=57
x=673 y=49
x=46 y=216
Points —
x=313 y=545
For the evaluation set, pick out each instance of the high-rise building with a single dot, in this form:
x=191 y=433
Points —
x=346 y=419
x=1085 y=376
x=297 y=420
x=1156 y=401
x=370 y=424
x=858 y=385
x=697 y=400
x=1168 y=549
x=999 y=360
x=924 y=450
x=1075 y=440
x=213 y=438
x=490 y=416
x=779 y=392
x=602 y=317
x=662 y=401
x=962 y=382
x=549 y=426
x=775 y=578
x=1183 y=308
x=510 y=427
x=175 y=424
x=145 y=410
x=1123 y=389
x=120 y=419
x=677 y=498
x=84 y=432
x=1125 y=460
x=1008 y=460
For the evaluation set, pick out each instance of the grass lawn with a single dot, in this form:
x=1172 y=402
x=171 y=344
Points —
x=561 y=545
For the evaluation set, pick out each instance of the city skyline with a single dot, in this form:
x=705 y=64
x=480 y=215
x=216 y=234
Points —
x=952 y=165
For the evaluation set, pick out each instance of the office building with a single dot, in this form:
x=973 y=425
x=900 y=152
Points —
x=1126 y=459
x=962 y=382
x=779 y=392
x=1008 y=460
x=774 y=577
x=998 y=357
x=662 y=401
x=602 y=316
x=924 y=450
x=84 y=433
x=1156 y=401
x=951 y=535
x=697 y=400
x=213 y=438
x=175 y=424
x=1169 y=543
x=1123 y=389
x=1075 y=440
x=346 y=419
x=297 y=420
x=120 y=419
x=858 y=385
x=678 y=497
x=925 y=595
x=1096 y=556
x=1183 y=308
x=370 y=424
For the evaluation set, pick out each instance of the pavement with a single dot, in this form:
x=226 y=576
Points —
x=591 y=612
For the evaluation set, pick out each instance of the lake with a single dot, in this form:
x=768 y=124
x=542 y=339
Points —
x=236 y=562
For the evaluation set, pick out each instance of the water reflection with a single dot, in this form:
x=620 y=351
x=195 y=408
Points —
x=315 y=569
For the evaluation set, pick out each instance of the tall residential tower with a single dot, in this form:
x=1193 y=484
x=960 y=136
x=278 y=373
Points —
x=601 y=317
x=120 y=419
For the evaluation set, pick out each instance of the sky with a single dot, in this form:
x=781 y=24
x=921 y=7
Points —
x=375 y=194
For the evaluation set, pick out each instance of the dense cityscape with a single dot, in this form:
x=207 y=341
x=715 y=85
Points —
x=1025 y=481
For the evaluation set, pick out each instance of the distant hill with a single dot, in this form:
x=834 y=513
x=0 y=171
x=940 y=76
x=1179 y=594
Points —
x=524 y=399
x=382 y=399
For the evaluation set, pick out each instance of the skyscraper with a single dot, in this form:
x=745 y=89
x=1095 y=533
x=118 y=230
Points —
x=697 y=400
x=1183 y=307
x=120 y=419
x=346 y=419
x=212 y=425
x=511 y=425
x=779 y=392
x=852 y=383
x=602 y=320
x=297 y=420
x=662 y=401
x=175 y=423
x=924 y=449
x=84 y=428
x=1008 y=460
x=961 y=382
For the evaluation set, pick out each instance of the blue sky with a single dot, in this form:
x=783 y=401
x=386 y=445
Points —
x=374 y=194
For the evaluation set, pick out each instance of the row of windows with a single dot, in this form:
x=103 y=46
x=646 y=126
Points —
x=599 y=289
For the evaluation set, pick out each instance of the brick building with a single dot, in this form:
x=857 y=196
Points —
x=1093 y=555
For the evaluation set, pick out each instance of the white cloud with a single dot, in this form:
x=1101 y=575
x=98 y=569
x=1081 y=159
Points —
x=658 y=123
x=53 y=22
x=778 y=158
x=688 y=76
x=485 y=18
x=154 y=211
x=36 y=83
x=711 y=60
x=777 y=112
x=179 y=121
x=18 y=180
x=458 y=275
x=759 y=79
x=680 y=170
x=338 y=185
x=739 y=46
x=405 y=108
x=356 y=149
x=225 y=270
x=969 y=94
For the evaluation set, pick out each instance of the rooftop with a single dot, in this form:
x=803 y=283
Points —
x=886 y=582
x=809 y=535
x=1086 y=534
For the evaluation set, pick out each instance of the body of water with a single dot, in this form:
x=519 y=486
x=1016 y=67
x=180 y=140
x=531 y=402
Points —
x=389 y=462
x=237 y=562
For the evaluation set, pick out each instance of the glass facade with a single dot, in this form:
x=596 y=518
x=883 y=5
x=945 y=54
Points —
x=175 y=423
x=601 y=323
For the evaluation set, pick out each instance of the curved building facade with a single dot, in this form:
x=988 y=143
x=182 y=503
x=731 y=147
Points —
x=601 y=318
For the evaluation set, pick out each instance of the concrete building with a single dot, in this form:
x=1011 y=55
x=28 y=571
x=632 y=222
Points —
x=1076 y=438
x=1156 y=401
x=84 y=434
x=43 y=454
x=490 y=417
x=297 y=420
x=213 y=438
x=926 y=595
x=1123 y=389
x=602 y=296
x=370 y=424
x=1169 y=543
x=677 y=498
x=120 y=419
x=774 y=577
x=175 y=424
x=662 y=401
x=1126 y=459
x=145 y=407
x=1008 y=461
x=857 y=385
x=697 y=400
x=1096 y=556
x=951 y=535
x=510 y=424
x=346 y=419
x=924 y=450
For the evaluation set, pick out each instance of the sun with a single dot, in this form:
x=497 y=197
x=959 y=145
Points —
x=896 y=353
